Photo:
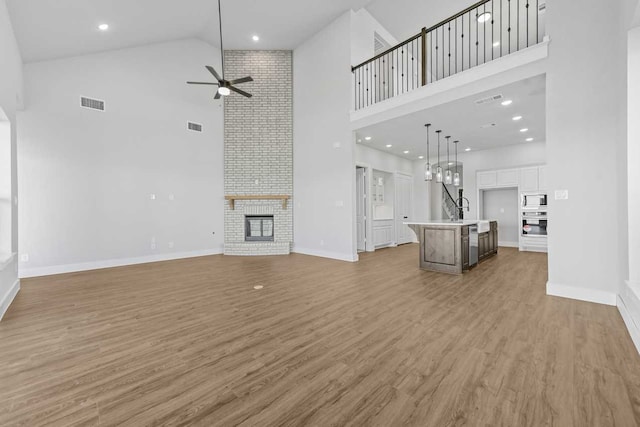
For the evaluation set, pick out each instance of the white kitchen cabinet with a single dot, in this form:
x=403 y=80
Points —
x=487 y=179
x=529 y=179
x=507 y=178
x=542 y=178
x=383 y=233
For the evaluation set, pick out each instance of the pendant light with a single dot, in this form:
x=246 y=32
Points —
x=439 y=168
x=456 y=176
x=448 y=178
x=428 y=173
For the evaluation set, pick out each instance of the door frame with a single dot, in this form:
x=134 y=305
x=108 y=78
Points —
x=409 y=177
x=368 y=171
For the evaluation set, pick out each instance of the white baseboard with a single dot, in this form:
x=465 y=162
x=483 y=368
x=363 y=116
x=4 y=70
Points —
x=629 y=309
x=7 y=299
x=508 y=244
x=325 y=254
x=96 y=265
x=582 y=294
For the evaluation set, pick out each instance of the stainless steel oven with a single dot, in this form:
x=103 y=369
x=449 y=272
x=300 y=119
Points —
x=534 y=201
x=534 y=223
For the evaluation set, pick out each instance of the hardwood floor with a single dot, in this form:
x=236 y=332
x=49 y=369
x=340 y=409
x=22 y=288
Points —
x=378 y=342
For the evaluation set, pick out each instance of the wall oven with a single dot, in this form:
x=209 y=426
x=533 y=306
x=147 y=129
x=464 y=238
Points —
x=534 y=201
x=534 y=224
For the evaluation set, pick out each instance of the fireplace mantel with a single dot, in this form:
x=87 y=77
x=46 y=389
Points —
x=232 y=199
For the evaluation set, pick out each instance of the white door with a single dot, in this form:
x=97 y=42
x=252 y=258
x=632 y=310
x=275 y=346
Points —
x=404 y=203
x=361 y=204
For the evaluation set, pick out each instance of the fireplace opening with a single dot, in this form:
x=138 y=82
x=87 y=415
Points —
x=258 y=228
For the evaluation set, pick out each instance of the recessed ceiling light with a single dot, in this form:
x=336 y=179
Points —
x=516 y=118
x=103 y=27
x=507 y=102
x=467 y=149
x=529 y=139
x=450 y=163
x=524 y=130
x=367 y=138
x=389 y=145
x=496 y=44
x=359 y=140
x=488 y=125
x=484 y=17
x=406 y=151
x=256 y=38
x=421 y=157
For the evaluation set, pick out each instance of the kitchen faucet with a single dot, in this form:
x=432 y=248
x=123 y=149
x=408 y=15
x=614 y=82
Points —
x=460 y=206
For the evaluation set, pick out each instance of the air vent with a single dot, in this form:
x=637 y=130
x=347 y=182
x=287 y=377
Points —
x=492 y=98
x=94 y=104
x=379 y=44
x=542 y=7
x=196 y=127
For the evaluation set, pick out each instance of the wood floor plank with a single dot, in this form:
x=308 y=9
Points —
x=378 y=342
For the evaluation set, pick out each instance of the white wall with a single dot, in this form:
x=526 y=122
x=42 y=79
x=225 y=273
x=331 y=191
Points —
x=323 y=144
x=586 y=99
x=502 y=205
x=633 y=150
x=382 y=161
x=10 y=100
x=87 y=177
x=532 y=153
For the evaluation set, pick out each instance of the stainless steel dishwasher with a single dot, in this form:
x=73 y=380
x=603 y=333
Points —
x=473 y=245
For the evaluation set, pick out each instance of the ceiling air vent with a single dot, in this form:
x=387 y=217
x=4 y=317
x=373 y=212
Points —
x=94 y=104
x=196 y=127
x=379 y=44
x=492 y=98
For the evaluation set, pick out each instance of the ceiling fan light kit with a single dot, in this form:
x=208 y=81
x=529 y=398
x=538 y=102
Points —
x=225 y=87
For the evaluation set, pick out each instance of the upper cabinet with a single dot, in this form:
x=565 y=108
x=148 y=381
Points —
x=542 y=178
x=507 y=178
x=527 y=179
x=487 y=179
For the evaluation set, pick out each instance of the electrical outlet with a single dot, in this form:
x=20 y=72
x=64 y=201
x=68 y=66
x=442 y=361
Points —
x=24 y=257
x=172 y=197
x=339 y=203
x=152 y=196
x=321 y=242
x=170 y=245
x=562 y=194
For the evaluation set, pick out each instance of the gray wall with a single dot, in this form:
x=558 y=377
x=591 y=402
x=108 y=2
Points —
x=258 y=155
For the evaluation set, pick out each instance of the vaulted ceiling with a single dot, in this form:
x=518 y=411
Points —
x=48 y=29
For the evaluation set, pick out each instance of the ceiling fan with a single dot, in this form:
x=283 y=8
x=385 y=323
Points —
x=224 y=86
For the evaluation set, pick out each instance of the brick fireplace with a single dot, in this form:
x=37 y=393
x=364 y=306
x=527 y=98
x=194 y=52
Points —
x=258 y=156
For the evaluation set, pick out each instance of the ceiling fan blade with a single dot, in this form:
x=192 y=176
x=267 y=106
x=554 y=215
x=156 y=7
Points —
x=202 y=83
x=212 y=71
x=242 y=80
x=241 y=92
x=217 y=95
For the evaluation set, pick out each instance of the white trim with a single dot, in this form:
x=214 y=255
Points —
x=326 y=254
x=632 y=326
x=5 y=261
x=582 y=294
x=96 y=265
x=8 y=298
x=508 y=244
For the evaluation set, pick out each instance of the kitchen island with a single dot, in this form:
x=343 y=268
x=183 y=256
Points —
x=455 y=246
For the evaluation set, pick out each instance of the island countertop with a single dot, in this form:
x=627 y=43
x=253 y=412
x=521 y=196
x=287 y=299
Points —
x=447 y=222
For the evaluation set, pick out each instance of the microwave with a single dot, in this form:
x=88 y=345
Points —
x=534 y=201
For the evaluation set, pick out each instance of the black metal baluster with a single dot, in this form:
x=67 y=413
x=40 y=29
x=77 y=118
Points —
x=501 y=24
x=462 y=44
x=484 y=35
x=527 y=6
x=537 y=23
x=476 y=24
x=436 y=30
x=518 y=26
x=449 y=48
x=469 y=39
x=509 y=25
x=492 y=29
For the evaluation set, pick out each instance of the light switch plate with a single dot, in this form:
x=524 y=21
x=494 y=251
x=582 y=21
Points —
x=337 y=145
x=562 y=194
x=152 y=196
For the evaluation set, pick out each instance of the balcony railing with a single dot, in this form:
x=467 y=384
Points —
x=488 y=30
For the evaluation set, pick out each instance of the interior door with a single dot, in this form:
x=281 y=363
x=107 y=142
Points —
x=361 y=204
x=404 y=203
